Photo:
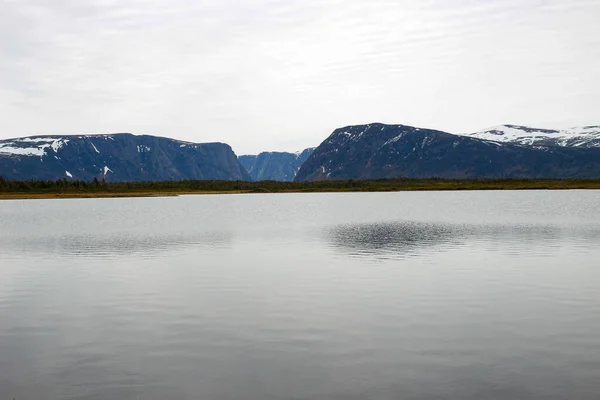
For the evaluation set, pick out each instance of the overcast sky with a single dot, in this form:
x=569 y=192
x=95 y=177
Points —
x=282 y=74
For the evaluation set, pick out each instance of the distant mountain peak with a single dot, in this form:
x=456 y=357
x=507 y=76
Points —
x=275 y=165
x=305 y=151
x=586 y=136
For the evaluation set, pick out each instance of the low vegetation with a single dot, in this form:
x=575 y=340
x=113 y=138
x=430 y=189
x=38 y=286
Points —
x=10 y=189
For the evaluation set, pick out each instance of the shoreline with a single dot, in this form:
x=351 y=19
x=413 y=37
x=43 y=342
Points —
x=101 y=195
x=312 y=187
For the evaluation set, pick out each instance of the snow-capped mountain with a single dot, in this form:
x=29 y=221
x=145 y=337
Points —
x=116 y=157
x=377 y=151
x=274 y=165
x=586 y=136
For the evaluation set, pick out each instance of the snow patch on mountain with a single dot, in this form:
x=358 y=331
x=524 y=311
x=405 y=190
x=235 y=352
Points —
x=392 y=140
x=585 y=136
x=32 y=146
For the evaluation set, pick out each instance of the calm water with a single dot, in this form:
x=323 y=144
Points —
x=455 y=295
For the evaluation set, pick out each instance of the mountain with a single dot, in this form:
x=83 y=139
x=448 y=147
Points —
x=117 y=157
x=584 y=137
x=377 y=151
x=275 y=166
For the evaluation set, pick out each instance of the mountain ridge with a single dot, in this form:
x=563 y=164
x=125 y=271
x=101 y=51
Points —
x=117 y=157
x=378 y=151
x=368 y=151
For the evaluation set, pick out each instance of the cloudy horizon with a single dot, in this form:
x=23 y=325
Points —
x=268 y=75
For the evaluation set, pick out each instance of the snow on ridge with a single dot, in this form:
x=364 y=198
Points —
x=7 y=149
x=105 y=170
x=57 y=144
x=587 y=136
x=32 y=146
x=67 y=173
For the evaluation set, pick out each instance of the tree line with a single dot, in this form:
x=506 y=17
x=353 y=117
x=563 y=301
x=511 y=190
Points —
x=98 y=186
x=68 y=185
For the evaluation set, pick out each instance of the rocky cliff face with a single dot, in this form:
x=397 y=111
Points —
x=117 y=157
x=275 y=166
x=377 y=151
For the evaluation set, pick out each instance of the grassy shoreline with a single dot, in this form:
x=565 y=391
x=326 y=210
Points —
x=98 y=194
x=19 y=190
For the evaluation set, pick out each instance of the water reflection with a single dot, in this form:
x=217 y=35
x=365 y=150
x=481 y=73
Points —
x=114 y=244
x=389 y=240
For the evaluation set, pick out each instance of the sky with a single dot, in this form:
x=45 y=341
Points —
x=265 y=75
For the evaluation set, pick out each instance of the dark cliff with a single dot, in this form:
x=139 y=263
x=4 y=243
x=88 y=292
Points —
x=274 y=166
x=117 y=157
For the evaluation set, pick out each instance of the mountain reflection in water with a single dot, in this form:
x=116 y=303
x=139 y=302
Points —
x=116 y=244
x=388 y=240
x=391 y=240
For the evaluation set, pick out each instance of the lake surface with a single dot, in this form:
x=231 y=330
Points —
x=432 y=295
